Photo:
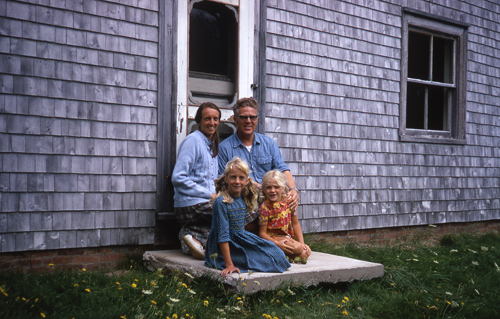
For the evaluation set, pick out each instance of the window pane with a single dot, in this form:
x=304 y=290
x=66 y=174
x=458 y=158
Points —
x=438 y=109
x=418 y=55
x=415 y=106
x=212 y=39
x=442 y=60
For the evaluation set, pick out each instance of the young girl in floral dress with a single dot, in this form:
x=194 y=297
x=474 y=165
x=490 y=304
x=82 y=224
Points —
x=229 y=246
x=277 y=222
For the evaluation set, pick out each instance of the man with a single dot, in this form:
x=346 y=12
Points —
x=259 y=151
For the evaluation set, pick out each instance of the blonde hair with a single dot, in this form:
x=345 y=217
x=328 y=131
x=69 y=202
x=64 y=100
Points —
x=279 y=178
x=249 y=194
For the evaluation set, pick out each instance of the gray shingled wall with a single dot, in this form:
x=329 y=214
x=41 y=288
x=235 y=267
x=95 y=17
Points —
x=333 y=81
x=78 y=97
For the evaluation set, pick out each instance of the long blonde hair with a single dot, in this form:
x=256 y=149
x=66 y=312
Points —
x=249 y=194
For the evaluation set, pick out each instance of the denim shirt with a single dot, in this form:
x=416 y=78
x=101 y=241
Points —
x=194 y=171
x=264 y=156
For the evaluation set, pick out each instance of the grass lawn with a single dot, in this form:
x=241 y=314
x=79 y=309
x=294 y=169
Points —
x=453 y=277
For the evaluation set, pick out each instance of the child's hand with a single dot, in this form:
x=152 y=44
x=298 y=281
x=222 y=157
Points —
x=308 y=250
x=285 y=246
x=229 y=270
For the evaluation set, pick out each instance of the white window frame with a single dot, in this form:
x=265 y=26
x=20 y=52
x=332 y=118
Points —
x=456 y=118
x=245 y=60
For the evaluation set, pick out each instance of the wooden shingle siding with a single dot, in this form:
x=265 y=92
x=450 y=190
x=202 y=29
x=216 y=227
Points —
x=78 y=97
x=333 y=83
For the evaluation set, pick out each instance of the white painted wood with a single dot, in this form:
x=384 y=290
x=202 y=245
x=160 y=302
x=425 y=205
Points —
x=246 y=48
x=182 y=70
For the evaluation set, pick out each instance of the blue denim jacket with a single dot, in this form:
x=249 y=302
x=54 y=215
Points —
x=264 y=156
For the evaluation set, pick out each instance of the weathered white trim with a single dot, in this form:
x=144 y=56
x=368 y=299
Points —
x=182 y=70
x=246 y=48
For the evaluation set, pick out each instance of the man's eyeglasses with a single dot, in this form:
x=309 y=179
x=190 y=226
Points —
x=252 y=118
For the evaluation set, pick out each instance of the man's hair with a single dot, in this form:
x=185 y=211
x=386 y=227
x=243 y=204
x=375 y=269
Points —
x=246 y=102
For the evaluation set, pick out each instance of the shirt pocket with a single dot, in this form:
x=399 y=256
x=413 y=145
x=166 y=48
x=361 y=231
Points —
x=264 y=165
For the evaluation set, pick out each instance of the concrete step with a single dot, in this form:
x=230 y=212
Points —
x=320 y=268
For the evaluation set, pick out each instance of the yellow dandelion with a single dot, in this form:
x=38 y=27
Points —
x=76 y=285
x=244 y=284
x=134 y=285
x=153 y=283
x=84 y=269
x=205 y=303
x=184 y=285
x=153 y=302
x=239 y=298
x=117 y=283
x=123 y=317
x=174 y=316
x=51 y=264
x=346 y=298
x=87 y=290
x=344 y=312
x=299 y=301
x=136 y=280
x=187 y=315
x=42 y=314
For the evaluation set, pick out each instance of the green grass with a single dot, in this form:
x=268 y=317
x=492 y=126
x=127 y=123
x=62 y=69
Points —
x=458 y=277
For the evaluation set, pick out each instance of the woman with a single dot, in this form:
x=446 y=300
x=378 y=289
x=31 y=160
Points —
x=193 y=180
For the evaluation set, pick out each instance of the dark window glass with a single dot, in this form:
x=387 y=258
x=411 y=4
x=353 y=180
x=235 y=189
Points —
x=212 y=39
x=442 y=60
x=418 y=55
x=415 y=101
x=438 y=108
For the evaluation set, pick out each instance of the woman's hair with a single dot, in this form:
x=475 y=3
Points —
x=279 y=178
x=250 y=193
x=214 y=141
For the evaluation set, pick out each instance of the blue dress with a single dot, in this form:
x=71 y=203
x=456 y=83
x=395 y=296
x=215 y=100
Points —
x=248 y=251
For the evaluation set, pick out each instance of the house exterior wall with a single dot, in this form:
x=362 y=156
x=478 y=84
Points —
x=333 y=103
x=78 y=134
x=80 y=120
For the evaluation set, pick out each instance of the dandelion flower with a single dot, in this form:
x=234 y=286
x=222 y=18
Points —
x=117 y=283
x=205 y=303
x=153 y=283
x=344 y=312
x=346 y=298
x=244 y=284
x=153 y=302
x=51 y=264
x=134 y=285
x=174 y=316
x=185 y=286
x=136 y=280
x=76 y=285
x=42 y=314
x=87 y=290
x=84 y=269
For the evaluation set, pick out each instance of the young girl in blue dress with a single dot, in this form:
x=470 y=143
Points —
x=229 y=246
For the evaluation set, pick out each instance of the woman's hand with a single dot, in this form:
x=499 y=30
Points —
x=229 y=270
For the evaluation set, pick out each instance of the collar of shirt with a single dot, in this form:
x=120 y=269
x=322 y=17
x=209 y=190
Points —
x=256 y=140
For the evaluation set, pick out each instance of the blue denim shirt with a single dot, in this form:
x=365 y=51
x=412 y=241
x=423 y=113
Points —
x=264 y=156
